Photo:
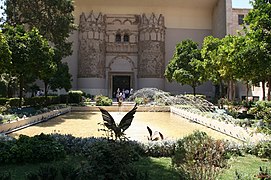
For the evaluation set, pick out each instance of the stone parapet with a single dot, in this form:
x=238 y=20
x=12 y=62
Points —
x=124 y=108
x=25 y=122
x=232 y=130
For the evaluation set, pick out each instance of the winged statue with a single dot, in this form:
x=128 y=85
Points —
x=124 y=124
x=155 y=136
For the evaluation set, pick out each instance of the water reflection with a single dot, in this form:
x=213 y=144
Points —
x=82 y=124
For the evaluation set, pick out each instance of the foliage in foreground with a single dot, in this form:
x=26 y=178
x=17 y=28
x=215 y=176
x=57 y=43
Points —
x=40 y=148
x=198 y=156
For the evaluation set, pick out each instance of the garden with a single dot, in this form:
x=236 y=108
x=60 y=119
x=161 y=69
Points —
x=59 y=156
x=25 y=40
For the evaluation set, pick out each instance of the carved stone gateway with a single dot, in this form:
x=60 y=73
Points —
x=101 y=36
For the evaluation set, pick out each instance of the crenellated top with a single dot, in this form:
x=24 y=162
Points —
x=152 y=21
x=91 y=22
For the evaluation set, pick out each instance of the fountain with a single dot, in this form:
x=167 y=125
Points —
x=189 y=113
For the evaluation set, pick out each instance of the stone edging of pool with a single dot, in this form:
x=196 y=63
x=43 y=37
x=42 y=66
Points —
x=232 y=130
x=7 y=128
x=125 y=108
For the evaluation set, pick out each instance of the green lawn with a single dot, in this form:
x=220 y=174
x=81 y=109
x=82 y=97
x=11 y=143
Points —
x=248 y=166
x=160 y=168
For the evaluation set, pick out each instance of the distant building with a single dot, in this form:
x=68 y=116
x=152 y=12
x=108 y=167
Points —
x=127 y=44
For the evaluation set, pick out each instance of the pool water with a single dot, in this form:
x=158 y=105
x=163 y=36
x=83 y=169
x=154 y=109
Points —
x=85 y=124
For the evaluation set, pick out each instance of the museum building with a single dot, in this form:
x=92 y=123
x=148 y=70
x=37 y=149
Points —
x=127 y=44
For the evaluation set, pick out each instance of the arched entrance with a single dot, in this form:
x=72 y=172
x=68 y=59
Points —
x=121 y=74
x=121 y=82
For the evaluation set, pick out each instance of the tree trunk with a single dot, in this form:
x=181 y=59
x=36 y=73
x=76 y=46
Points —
x=247 y=91
x=230 y=91
x=21 y=91
x=194 y=90
x=269 y=86
x=233 y=91
x=263 y=88
x=9 y=90
x=46 y=92
x=221 y=91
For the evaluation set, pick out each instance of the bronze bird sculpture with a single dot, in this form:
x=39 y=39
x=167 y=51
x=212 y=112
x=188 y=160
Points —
x=155 y=136
x=124 y=124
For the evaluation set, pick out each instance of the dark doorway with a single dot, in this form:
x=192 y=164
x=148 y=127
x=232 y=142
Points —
x=121 y=82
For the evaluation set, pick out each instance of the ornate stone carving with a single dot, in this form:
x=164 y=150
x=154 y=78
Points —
x=123 y=25
x=151 y=61
x=97 y=38
x=91 y=46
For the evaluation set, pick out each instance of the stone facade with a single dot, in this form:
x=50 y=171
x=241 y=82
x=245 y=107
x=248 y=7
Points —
x=151 y=47
x=91 y=54
x=136 y=40
x=110 y=44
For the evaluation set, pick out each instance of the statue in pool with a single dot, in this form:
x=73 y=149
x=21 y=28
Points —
x=118 y=129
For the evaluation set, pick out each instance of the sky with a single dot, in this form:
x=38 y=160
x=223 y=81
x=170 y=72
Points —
x=235 y=3
x=241 y=4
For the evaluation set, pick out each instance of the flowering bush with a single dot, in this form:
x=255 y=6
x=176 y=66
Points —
x=199 y=156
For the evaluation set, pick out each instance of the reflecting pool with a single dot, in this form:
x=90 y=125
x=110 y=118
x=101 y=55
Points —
x=85 y=124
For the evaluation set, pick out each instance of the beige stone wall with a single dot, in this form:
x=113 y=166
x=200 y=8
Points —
x=219 y=19
x=235 y=26
x=196 y=14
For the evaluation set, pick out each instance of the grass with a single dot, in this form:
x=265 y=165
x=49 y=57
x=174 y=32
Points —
x=247 y=166
x=159 y=168
x=19 y=171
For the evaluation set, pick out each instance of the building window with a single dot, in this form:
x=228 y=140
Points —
x=241 y=19
x=118 y=38
x=126 y=38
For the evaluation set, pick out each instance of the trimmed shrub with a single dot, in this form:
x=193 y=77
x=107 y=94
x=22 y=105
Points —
x=14 y=102
x=110 y=160
x=103 y=100
x=160 y=148
x=64 y=98
x=75 y=96
x=35 y=101
x=199 y=156
x=53 y=100
x=262 y=149
x=3 y=101
x=40 y=148
x=5 y=175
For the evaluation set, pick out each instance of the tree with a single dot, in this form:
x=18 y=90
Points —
x=251 y=59
x=5 y=53
x=259 y=20
x=228 y=62
x=209 y=53
x=5 y=62
x=186 y=65
x=55 y=21
x=53 y=18
x=29 y=50
x=61 y=78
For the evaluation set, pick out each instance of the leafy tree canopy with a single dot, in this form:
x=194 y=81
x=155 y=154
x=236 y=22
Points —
x=259 y=32
x=53 y=18
x=186 y=65
x=30 y=51
x=5 y=53
x=209 y=53
x=61 y=78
